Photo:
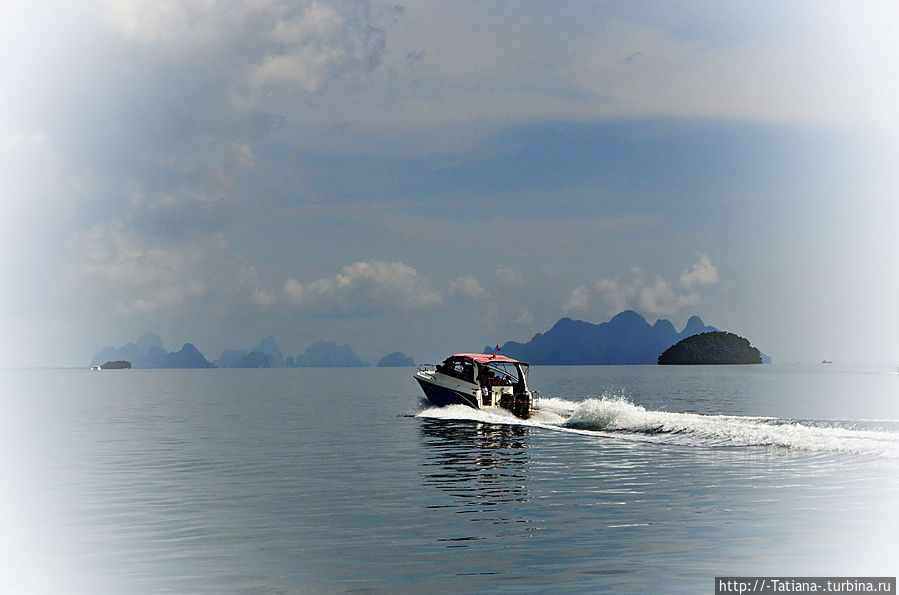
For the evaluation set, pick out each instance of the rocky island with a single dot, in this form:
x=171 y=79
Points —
x=397 y=359
x=625 y=339
x=711 y=348
x=325 y=354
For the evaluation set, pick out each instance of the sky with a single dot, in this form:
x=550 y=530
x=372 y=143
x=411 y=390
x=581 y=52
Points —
x=433 y=177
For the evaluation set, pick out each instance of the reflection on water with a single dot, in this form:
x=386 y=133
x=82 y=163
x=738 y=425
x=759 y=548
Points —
x=481 y=469
x=285 y=481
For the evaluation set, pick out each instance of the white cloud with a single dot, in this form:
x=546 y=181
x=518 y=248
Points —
x=662 y=298
x=318 y=44
x=185 y=106
x=576 y=301
x=115 y=254
x=263 y=298
x=467 y=286
x=656 y=296
x=615 y=295
x=338 y=72
x=702 y=273
x=364 y=288
x=140 y=274
x=508 y=276
x=575 y=65
x=168 y=296
x=524 y=318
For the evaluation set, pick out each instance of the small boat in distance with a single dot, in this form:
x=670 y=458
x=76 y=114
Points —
x=479 y=380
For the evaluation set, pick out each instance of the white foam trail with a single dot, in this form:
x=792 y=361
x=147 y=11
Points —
x=621 y=418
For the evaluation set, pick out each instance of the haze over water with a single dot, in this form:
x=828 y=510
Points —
x=300 y=480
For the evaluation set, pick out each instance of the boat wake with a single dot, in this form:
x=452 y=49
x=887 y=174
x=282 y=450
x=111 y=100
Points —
x=618 y=417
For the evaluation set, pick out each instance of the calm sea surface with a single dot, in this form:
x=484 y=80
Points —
x=634 y=478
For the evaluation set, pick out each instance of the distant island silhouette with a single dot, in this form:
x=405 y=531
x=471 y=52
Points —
x=148 y=352
x=627 y=338
x=711 y=348
x=325 y=354
x=187 y=357
x=397 y=359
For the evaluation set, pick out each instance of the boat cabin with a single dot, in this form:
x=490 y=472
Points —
x=479 y=380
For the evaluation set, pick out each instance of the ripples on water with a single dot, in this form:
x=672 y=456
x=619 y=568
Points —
x=641 y=514
x=289 y=481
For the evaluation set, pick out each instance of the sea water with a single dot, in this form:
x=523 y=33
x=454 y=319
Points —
x=632 y=478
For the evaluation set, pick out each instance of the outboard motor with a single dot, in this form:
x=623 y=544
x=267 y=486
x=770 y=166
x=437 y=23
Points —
x=518 y=403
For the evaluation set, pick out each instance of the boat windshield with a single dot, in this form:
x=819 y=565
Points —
x=503 y=374
x=457 y=368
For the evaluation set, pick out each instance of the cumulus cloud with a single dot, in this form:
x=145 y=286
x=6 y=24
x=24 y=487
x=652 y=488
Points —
x=264 y=298
x=136 y=81
x=662 y=298
x=702 y=273
x=508 y=276
x=467 y=286
x=656 y=295
x=364 y=288
x=524 y=318
x=115 y=254
x=168 y=296
x=577 y=300
x=616 y=295
x=320 y=43
x=139 y=274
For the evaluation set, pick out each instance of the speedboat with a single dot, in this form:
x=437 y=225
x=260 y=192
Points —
x=478 y=380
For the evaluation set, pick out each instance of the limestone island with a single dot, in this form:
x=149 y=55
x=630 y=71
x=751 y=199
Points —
x=711 y=348
x=397 y=359
x=116 y=365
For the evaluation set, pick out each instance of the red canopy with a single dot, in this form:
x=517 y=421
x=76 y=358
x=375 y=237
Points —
x=486 y=358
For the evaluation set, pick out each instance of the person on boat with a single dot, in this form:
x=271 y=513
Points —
x=488 y=378
x=467 y=372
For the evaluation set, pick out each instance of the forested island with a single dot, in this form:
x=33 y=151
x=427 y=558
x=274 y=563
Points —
x=711 y=348
x=116 y=365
